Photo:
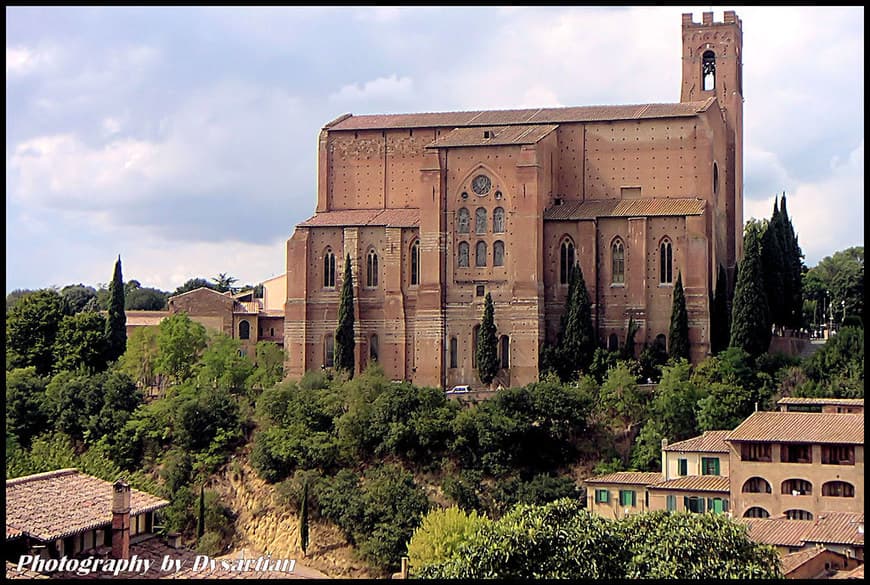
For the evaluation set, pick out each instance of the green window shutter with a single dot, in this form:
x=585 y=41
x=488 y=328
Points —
x=716 y=466
x=633 y=498
x=686 y=502
x=724 y=505
x=672 y=503
x=684 y=466
x=717 y=506
x=701 y=505
x=602 y=496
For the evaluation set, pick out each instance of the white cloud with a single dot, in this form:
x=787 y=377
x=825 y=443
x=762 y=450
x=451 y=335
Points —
x=22 y=61
x=382 y=88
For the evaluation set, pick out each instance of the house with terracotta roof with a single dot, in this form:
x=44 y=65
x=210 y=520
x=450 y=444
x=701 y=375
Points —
x=816 y=563
x=841 y=532
x=67 y=512
x=838 y=405
x=797 y=464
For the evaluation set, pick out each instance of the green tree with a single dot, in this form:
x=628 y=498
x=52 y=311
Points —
x=81 y=343
x=31 y=329
x=223 y=282
x=116 y=321
x=440 y=534
x=77 y=296
x=679 y=330
x=677 y=545
x=15 y=296
x=223 y=365
x=628 y=348
x=620 y=396
x=344 y=333
x=792 y=264
x=303 y=519
x=576 y=344
x=487 y=344
x=720 y=318
x=25 y=395
x=180 y=342
x=836 y=284
x=558 y=540
x=269 y=365
x=145 y=299
x=750 y=315
x=193 y=284
x=140 y=357
x=775 y=266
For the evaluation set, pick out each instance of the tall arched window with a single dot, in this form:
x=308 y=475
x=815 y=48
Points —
x=244 y=330
x=475 y=332
x=715 y=178
x=463 y=255
x=708 y=70
x=463 y=221
x=415 y=262
x=480 y=254
x=666 y=262
x=372 y=269
x=329 y=269
x=617 y=251
x=498 y=253
x=756 y=512
x=480 y=221
x=329 y=351
x=373 y=348
x=566 y=260
x=454 y=352
x=498 y=220
x=504 y=346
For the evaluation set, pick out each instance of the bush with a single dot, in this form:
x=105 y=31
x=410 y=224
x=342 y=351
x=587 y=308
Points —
x=440 y=534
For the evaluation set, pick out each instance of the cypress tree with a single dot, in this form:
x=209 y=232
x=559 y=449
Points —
x=577 y=337
x=792 y=259
x=679 y=331
x=628 y=348
x=775 y=266
x=750 y=316
x=487 y=344
x=303 y=519
x=344 y=342
x=116 y=321
x=720 y=318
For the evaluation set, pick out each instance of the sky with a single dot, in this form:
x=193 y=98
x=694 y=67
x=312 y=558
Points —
x=184 y=139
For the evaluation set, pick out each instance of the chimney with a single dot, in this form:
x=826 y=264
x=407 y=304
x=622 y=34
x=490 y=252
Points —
x=121 y=520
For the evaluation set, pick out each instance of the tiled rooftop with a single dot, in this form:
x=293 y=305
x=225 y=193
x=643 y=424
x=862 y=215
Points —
x=361 y=217
x=856 y=573
x=627 y=477
x=524 y=116
x=826 y=528
x=700 y=483
x=801 y=427
x=709 y=442
x=792 y=561
x=644 y=207
x=56 y=504
x=832 y=401
x=494 y=136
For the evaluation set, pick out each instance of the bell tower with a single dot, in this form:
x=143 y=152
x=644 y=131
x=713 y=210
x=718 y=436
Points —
x=713 y=67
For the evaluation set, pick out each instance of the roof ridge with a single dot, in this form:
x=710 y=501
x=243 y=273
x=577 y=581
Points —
x=41 y=476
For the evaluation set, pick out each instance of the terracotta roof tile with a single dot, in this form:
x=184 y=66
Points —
x=700 y=483
x=801 y=427
x=835 y=401
x=826 y=528
x=12 y=532
x=12 y=572
x=497 y=136
x=709 y=442
x=363 y=217
x=856 y=573
x=522 y=116
x=628 y=477
x=645 y=207
x=52 y=505
x=792 y=561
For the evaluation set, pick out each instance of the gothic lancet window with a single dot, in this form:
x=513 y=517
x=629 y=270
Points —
x=415 y=262
x=463 y=221
x=463 y=255
x=329 y=269
x=480 y=256
x=566 y=260
x=666 y=262
x=480 y=221
x=498 y=253
x=618 y=262
x=372 y=269
x=498 y=220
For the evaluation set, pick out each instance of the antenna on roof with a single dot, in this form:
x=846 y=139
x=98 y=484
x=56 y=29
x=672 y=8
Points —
x=756 y=406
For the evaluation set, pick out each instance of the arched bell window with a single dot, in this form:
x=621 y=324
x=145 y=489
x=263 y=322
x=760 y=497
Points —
x=708 y=70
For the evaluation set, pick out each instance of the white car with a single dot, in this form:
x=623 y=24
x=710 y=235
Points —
x=459 y=390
